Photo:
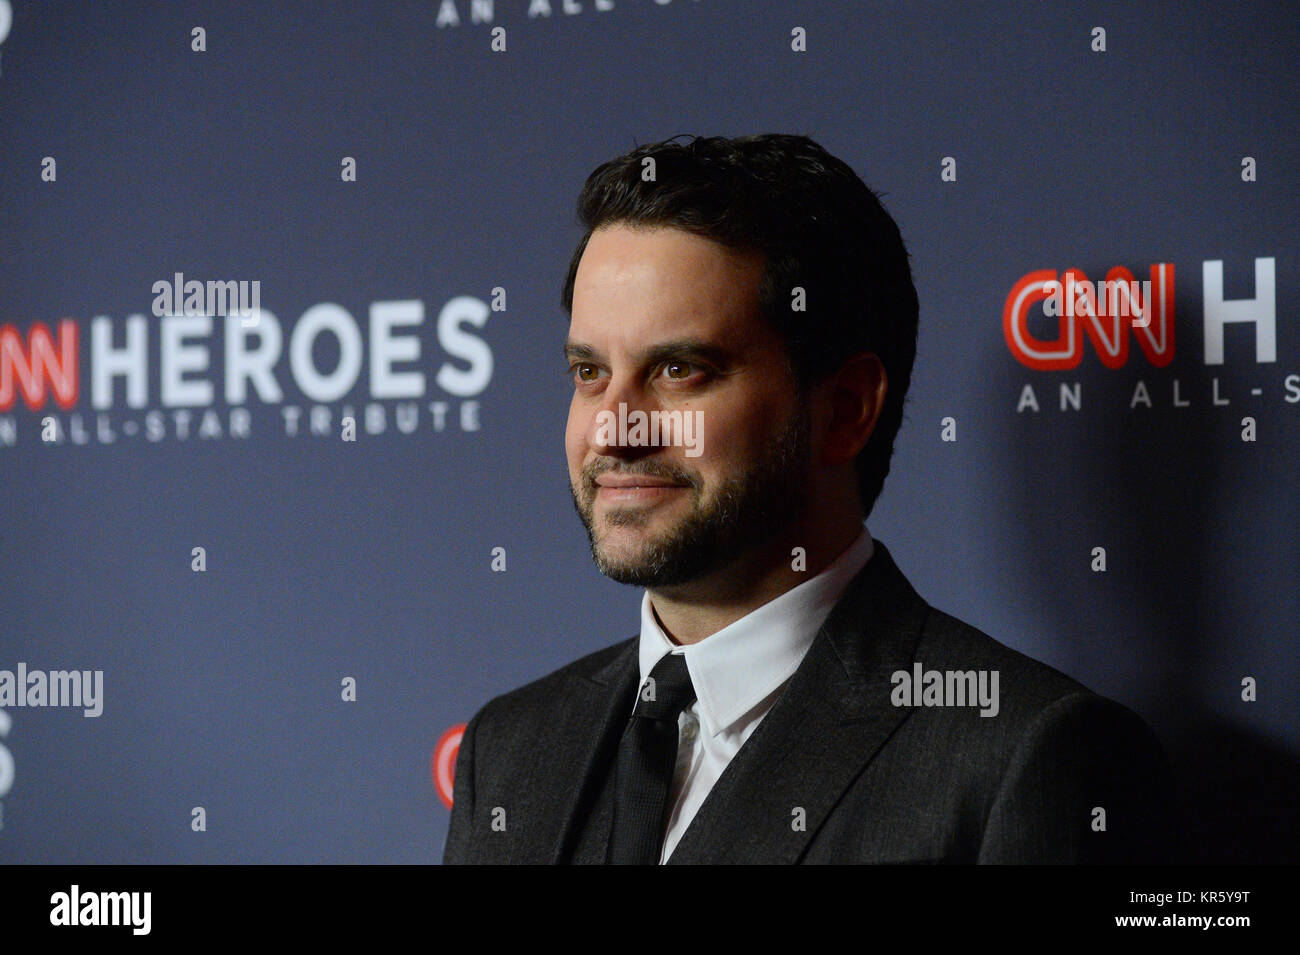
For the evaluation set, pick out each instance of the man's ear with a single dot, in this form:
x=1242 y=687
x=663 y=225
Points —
x=857 y=396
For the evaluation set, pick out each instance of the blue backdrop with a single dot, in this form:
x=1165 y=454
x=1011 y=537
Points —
x=402 y=191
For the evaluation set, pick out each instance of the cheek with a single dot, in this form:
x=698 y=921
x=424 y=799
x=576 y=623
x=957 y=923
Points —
x=734 y=434
x=575 y=439
x=732 y=442
x=724 y=447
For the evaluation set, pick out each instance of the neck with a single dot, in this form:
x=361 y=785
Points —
x=690 y=612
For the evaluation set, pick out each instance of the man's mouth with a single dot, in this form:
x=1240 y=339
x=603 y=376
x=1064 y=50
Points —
x=635 y=488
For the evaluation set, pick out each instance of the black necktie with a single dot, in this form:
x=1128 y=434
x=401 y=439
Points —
x=647 y=755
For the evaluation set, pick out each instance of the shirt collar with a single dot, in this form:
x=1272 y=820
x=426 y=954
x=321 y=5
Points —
x=738 y=667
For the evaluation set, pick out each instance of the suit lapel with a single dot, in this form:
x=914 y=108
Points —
x=568 y=764
x=832 y=719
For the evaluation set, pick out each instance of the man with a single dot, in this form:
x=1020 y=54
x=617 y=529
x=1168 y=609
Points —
x=790 y=697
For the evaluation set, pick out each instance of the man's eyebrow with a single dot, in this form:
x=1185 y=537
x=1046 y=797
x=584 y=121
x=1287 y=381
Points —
x=682 y=349
x=576 y=352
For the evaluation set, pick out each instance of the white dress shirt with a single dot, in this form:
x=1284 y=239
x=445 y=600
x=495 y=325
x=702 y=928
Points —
x=738 y=673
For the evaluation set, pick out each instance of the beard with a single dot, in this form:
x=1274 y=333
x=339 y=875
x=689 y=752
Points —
x=742 y=514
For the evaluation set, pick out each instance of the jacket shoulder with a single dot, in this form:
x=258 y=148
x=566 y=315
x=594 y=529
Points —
x=1028 y=686
x=1032 y=701
x=1033 y=775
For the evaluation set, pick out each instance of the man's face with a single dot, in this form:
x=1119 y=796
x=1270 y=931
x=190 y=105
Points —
x=667 y=321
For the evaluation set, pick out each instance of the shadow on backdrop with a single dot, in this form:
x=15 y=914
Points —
x=1149 y=493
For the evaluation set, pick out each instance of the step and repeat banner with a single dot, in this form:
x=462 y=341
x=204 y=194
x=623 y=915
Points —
x=282 y=400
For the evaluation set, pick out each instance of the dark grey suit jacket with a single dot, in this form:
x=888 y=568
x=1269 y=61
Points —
x=835 y=773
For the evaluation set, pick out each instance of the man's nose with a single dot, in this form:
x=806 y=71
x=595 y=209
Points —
x=622 y=404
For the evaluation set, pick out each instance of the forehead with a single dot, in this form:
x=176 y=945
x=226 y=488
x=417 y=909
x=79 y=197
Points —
x=636 y=282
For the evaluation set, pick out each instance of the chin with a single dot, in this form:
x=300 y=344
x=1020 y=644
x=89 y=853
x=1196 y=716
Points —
x=628 y=555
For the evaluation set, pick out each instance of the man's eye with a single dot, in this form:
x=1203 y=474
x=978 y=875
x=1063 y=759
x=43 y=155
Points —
x=583 y=371
x=678 y=369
